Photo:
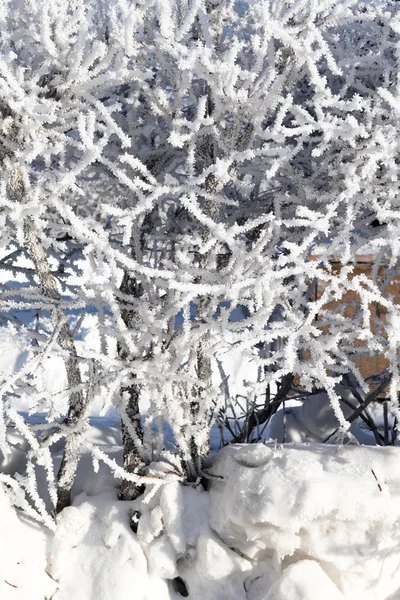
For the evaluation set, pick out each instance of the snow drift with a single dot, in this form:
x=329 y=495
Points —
x=337 y=506
x=292 y=522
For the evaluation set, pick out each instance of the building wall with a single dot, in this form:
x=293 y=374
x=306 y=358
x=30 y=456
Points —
x=371 y=363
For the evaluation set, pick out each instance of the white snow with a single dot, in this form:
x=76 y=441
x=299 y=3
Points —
x=94 y=554
x=22 y=556
x=336 y=505
x=304 y=580
x=291 y=522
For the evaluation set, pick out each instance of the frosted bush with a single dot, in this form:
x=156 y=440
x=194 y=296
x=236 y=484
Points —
x=164 y=162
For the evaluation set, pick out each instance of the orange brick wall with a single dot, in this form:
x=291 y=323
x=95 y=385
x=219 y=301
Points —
x=373 y=363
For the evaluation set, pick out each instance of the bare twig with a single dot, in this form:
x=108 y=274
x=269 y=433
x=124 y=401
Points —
x=371 y=397
x=263 y=416
x=377 y=481
x=365 y=403
x=385 y=423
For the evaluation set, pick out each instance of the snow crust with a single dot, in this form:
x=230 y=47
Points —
x=292 y=522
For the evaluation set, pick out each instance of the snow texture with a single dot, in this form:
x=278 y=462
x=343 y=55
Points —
x=277 y=523
x=22 y=556
x=305 y=580
x=335 y=505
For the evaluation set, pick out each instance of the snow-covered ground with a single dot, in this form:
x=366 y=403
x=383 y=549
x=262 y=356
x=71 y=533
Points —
x=293 y=522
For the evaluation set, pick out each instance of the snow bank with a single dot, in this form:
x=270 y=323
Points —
x=306 y=522
x=337 y=506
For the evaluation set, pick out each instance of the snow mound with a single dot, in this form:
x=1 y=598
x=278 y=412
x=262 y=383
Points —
x=178 y=541
x=336 y=505
x=95 y=555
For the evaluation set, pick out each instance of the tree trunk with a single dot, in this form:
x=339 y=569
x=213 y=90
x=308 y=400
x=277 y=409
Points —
x=132 y=461
x=77 y=402
x=204 y=367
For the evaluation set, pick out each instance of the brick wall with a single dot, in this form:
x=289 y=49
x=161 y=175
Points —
x=371 y=363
